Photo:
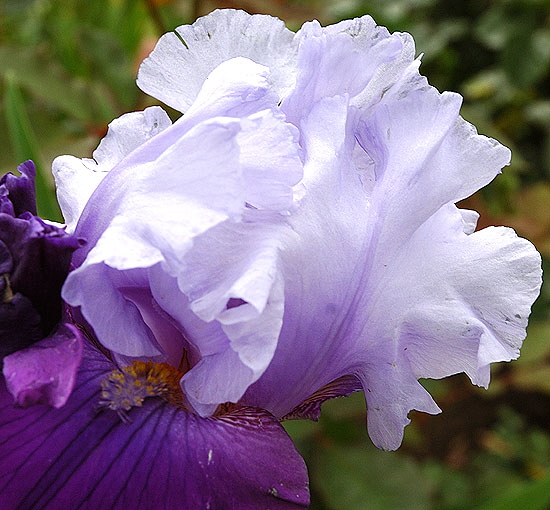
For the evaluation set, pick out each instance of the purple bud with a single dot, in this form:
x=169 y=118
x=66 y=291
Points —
x=34 y=262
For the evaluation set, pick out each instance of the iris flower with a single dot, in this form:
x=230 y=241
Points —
x=292 y=237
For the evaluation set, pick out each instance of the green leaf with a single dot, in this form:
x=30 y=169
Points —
x=528 y=495
x=362 y=477
x=26 y=147
x=536 y=347
x=46 y=81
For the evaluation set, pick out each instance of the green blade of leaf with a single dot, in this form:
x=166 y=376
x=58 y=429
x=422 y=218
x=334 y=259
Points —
x=26 y=146
x=44 y=79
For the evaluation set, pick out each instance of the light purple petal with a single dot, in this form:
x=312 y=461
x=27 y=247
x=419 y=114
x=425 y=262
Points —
x=78 y=456
x=235 y=342
x=271 y=160
x=167 y=228
x=114 y=318
x=204 y=338
x=147 y=229
x=391 y=391
x=258 y=254
x=76 y=179
x=337 y=60
x=232 y=112
x=45 y=372
x=321 y=262
x=387 y=275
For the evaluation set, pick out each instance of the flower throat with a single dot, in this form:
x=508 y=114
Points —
x=129 y=386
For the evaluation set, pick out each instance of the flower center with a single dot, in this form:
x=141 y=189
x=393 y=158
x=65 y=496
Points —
x=129 y=386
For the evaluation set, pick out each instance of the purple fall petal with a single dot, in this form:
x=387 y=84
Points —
x=45 y=372
x=80 y=457
x=34 y=262
x=39 y=253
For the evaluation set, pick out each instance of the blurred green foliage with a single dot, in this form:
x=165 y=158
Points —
x=68 y=68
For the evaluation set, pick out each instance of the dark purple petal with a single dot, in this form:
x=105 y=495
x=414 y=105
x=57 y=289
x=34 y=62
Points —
x=6 y=260
x=40 y=254
x=19 y=322
x=310 y=408
x=19 y=191
x=6 y=207
x=45 y=372
x=79 y=457
x=34 y=262
x=45 y=258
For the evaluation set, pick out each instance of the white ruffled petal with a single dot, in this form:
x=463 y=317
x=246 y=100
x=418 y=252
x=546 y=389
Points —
x=75 y=179
x=178 y=66
x=459 y=301
x=127 y=133
x=424 y=156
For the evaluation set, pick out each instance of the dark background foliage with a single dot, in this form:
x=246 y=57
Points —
x=68 y=67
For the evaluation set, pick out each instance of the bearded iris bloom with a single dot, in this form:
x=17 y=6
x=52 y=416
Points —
x=292 y=237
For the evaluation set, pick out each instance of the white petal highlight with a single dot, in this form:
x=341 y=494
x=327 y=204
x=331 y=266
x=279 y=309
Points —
x=75 y=180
